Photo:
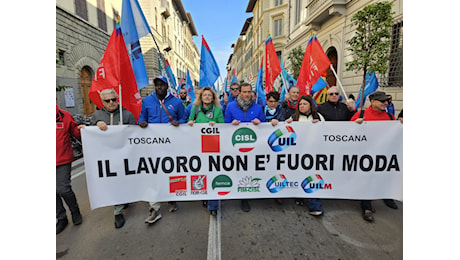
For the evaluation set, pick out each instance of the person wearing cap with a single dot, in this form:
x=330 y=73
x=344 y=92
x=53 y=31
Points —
x=375 y=112
x=333 y=109
x=161 y=107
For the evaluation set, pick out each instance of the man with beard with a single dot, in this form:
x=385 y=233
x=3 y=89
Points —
x=244 y=109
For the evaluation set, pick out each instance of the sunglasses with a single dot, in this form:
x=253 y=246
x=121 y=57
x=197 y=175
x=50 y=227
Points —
x=334 y=93
x=234 y=88
x=111 y=99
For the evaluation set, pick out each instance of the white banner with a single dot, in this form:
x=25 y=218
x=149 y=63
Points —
x=166 y=163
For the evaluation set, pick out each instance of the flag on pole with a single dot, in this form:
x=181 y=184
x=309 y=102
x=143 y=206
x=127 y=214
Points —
x=318 y=86
x=272 y=65
x=134 y=26
x=288 y=80
x=171 y=78
x=371 y=86
x=114 y=70
x=234 y=79
x=189 y=87
x=314 y=65
x=209 y=70
x=260 y=86
x=251 y=80
x=226 y=83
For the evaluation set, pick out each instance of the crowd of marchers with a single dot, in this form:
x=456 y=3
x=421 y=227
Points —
x=235 y=107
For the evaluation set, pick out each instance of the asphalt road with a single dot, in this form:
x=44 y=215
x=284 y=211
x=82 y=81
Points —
x=268 y=231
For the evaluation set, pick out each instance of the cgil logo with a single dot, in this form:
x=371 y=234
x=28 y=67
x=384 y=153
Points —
x=282 y=139
x=314 y=183
x=222 y=183
x=244 y=139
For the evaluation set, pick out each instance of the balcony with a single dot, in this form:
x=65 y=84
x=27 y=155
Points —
x=320 y=11
x=167 y=44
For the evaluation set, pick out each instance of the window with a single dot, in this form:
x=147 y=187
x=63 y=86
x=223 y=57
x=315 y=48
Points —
x=278 y=2
x=101 y=17
x=297 y=11
x=81 y=9
x=277 y=27
x=395 y=68
x=60 y=57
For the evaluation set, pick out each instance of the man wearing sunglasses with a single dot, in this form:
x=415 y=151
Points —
x=110 y=115
x=234 y=92
x=333 y=109
x=375 y=112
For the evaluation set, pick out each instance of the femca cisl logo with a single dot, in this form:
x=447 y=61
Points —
x=244 y=139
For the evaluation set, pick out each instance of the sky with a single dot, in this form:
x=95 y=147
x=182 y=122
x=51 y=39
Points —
x=220 y=22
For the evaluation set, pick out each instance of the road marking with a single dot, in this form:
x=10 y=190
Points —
x=214 y=252
x=77 y=174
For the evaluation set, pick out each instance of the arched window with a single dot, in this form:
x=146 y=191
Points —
x=85 y=83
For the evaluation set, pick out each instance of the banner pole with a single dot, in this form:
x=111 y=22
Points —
x=121 y=107
x=340 y=84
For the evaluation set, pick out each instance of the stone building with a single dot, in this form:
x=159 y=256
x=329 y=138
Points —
x=290 y=22
x=83 y=29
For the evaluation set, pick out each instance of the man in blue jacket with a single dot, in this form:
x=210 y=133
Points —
x=161 y=107
x=244 y=109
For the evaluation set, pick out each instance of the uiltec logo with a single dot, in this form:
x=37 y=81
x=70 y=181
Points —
x=222 y=183
x=314 y=183
x=282 y=139
x=279 y=182
x=244 y=139
x=178 y=185
x=210 y=140
x=199 y=186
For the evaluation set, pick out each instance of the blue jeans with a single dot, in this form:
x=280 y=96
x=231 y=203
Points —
x=315 y=205
x=213 y=204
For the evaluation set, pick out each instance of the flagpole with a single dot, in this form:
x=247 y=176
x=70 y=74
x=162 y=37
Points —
x=121 y=108
x=340 y=84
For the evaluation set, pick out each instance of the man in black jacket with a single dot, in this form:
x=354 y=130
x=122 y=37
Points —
x=333 y=110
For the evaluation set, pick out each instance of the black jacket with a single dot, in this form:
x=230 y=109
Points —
x=335 y=111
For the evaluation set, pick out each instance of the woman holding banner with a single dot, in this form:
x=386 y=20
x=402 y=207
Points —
x=306 y=111
x=206 y=109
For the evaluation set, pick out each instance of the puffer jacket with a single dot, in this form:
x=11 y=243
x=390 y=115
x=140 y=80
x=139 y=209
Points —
x=65 y=127
x=153 y=111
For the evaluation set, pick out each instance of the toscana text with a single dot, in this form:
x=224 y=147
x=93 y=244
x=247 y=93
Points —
x=227 y=163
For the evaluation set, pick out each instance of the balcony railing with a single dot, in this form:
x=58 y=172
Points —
x=319 y=11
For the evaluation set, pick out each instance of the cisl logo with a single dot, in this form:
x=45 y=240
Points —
x=282 y=139
x=244 y=139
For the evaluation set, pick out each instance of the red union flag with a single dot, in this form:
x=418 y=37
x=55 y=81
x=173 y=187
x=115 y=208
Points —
x=272 y=65
x=314 y=65
x=114 y=69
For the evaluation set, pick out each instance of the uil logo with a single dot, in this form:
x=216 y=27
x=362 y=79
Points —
x=282 y=139
x=244 y=139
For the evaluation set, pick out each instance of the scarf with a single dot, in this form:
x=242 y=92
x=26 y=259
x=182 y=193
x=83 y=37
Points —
x=208 y=112
x=244 y=105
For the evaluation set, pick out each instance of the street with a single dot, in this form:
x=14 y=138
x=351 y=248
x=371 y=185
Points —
x=268 y=231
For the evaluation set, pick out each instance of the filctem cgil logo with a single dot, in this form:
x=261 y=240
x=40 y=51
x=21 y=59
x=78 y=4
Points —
x=244 y=139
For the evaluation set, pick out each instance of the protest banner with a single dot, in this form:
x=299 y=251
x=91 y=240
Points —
x=165 y=163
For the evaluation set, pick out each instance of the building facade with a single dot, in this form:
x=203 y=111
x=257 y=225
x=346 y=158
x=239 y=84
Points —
x=290 y=22
x=83 y=29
